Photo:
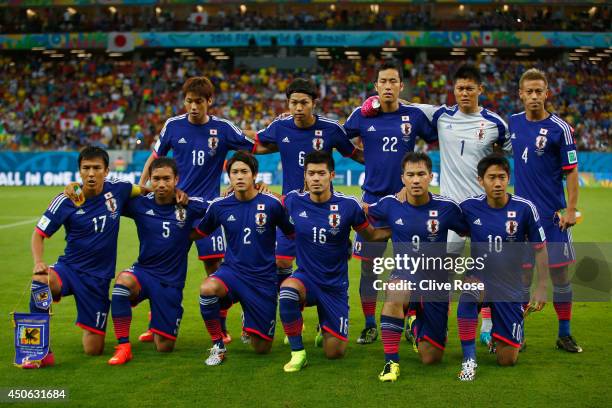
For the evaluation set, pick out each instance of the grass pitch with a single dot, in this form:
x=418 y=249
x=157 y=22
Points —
x=543 y=377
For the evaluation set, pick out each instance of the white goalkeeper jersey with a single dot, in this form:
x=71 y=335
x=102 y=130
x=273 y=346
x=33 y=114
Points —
x=464 y=140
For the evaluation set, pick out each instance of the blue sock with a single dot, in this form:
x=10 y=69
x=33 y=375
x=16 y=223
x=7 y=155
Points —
x=391 y=334
x=467 y=320
x=41 y=292
x=121 y=310
x=210 y=310
x=291 y=317
x=562 y=302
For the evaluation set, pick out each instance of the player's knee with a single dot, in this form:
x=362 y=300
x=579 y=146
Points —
x=126 y=280
x=284 y=263
x=164 y=345
x=431 y=358
x=93 y=344
x=261 y=346
x=335 y=353
x=506 y=360
x=291 y=283
x=208 y=288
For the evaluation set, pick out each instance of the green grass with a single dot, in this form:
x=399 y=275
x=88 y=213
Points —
x=543 y=377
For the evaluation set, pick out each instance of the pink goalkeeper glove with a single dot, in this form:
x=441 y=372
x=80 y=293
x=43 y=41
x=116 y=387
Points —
x=370 y=107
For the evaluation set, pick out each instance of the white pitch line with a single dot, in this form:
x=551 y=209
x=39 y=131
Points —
x=16 y=224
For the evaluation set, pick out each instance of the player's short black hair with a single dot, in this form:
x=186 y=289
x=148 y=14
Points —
x=94 y=152
x=494 y=159
x=468 y=71
x=163 y=162
x=391 y=65
x=246 y=158
x=318 y=157
x=417 y=157
x=302 y=85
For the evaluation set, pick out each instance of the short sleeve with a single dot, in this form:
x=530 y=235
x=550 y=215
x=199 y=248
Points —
x=282 y=220
x=341 y=142
x=236 y=140
x=568 y=152
x=210 y=222
x=163 y=144
x=351 y=126
x=268 y=134
x=54 y=217
x=197 y=206
x=360 y=221
x=535 y=231
x=459 y=222
x=378 y=210
x=427 y=131
x=129 y=209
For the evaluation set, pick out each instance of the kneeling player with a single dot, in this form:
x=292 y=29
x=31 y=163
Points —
x=419 y=227
x=164 y=229
x=500 y=223
x=323 y=221
x=248 y=273
x=88 y=264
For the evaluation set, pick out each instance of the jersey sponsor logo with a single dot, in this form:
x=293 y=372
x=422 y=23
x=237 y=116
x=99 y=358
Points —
x=540 y=144
x=182 y=140
x=261 y=207
x=433 y=213
x=213 y=132
x=318 y=133
x=150 y=212
x=286 y=140
x=543 y=131
x=433 y=226
x=512 y=227
x=231 y=218
x=405 y=118
x=317 y=143
x=406 y=130
x=511 y=214
x=213 y=142
x=399 y=221
x=43 y=223
x=303 y=214
x=477 y=222
x=372 y=129
x=572 y=158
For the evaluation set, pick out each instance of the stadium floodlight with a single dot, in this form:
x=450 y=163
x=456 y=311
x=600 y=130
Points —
x=490 y=49
x=30 y=13
x=574 y=58
x=603 y=54
x=327 y=57
x=112 y=9
x=84 y=55
x=77 y=51
x=460 y=49
x=181 y=50
x=351 y=52
x=200 y=9
x=522 y=54
x=213 y=49
x=57 y=55
x=595 y=58
x=354 y=57
x=158 y=10
x=217 y=54
x=38 y=48
x=222 y=57
x=587 y=47
x=71 y=10
x=115 y=54
x=580 y=50
x=518 y=20
x=527 y=50
x=506 y=8
x=457 y=53
x=49 y=52
x=390 y=49
x=243 y=8
x=320 y=49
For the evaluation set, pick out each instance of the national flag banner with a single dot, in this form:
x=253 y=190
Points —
x=198 y=18
x=120 y=42
x=31 y=337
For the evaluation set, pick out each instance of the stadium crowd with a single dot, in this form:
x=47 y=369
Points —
x=119 y=104
x=231 y=18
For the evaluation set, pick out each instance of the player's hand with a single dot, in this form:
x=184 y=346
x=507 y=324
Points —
x=283 y=116
x=75 y=193
x=567 y=218
x=538 y=300
x=181 y=197
x=402 y=196
x=365 y=207
x=40 y=267
x=227 y=191
x=370 y=107
x=263 y=187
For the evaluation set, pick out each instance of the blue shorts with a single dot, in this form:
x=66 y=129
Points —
x=431 y=323
x=165 y=302
x=285 y=247
x=212 y=246
x=90 y=294
x=258 y=300
x=507 y=318
x=559 y=246
x=365 y=250
x=332 y=306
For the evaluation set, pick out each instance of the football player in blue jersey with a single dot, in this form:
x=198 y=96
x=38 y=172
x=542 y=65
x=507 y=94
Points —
x=500 y=225
x=248 y=273
x=88 y=263
x=164 y=228
x=323 y=220
x=199 y=143
x=386 y=138
x=544 y=155
x=419 y=228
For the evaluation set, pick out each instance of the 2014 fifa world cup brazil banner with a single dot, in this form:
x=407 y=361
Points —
x=31 y=337
x=127 y=41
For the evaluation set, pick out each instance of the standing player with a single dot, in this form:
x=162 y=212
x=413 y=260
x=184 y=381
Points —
x=386 y=138
x=500 y=224
x=545 y=152
x=467 y=132
x=419 y=226
x=199 y=143
x=88 y=264
x=248 y=274
x=294 y=137
x=159 y=274
x=323 y=220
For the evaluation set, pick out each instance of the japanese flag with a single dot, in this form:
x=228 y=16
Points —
x=120 y=42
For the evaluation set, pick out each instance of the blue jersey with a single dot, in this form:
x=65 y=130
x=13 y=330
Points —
x=543 y=150
x=199 y=151
x=422 y=224
x=163 y=232
x=295 y=143
x=91 y=229
x=498 y=235
x=250 y=231
x=386 y=138
x=322 y=235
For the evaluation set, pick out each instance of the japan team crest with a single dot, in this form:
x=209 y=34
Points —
x=406 y=130
x=111 y=204
x=433 y=226
x=511 y=227
x=260 y=221
x=181 y=215
x=541 y=141
x=317 y=143
x=213 y=142
x=334 y=223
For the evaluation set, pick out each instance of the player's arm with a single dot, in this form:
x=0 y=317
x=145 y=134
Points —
x=145 y=175
x=375 y=234
x=568 y=219
x=539 y=297
x=38 y=246
x=261 y=146
x=207 y=225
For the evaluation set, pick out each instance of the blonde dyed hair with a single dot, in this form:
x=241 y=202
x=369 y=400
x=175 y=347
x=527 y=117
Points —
x=533 y=74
